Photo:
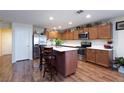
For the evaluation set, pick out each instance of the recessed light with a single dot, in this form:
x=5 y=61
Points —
x=88 y=16
x=51 y=18
x=59 y=27
x=70 y=23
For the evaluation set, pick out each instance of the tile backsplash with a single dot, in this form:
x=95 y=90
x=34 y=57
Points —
x=94 y=42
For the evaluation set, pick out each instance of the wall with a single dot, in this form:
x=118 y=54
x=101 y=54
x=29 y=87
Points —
x=5 y=38
x=118 y=39
x=38 y=29
x=21 y=27
x=0 y=43
x=6 y=41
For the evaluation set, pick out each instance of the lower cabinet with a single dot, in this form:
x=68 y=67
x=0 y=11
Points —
x=91 y=55
x=100 y=57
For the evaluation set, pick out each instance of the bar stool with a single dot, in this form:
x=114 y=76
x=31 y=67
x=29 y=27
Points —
x=41 y=56
x=50 y=64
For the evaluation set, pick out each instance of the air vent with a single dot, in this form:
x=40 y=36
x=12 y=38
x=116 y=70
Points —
x=79 y=11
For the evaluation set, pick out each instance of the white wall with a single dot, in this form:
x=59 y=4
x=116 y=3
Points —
x=18 y=27
x=38 y=29
x=118 y=38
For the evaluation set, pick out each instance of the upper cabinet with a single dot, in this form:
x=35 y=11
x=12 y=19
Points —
x=53 y=34
x=104 y=31
x=76 y=32
x=93 y=32
x=70 y=35
x=86 y=29
x=81 y=30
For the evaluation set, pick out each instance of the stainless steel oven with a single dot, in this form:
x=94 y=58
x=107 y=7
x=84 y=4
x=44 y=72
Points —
x=82 y=50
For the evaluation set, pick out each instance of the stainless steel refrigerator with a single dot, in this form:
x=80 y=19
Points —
x=38 y=39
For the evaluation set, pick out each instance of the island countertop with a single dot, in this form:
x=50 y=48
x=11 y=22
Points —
x=62 y=49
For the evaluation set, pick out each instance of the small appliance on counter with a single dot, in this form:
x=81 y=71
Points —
x=84 y=36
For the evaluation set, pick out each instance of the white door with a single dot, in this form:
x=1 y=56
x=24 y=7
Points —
x=22 y=38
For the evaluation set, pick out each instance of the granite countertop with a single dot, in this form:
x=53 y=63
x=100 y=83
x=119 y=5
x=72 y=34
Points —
x=62 y=49
x=100 y=48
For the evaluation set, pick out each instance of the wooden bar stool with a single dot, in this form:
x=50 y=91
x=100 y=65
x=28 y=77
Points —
x=50 y=64
x=41 y=56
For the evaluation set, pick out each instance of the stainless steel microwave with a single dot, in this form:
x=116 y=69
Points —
x=84 y=35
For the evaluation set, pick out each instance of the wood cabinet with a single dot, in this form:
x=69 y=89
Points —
x=103 y=57
x=66 y=35
x=104 y=31
x=93 y=32
x=81 y=31
x=53 y=34
x=66 y=62
x=70 y=35
x=90 y=55
x=100 y=57
x=63 y=36
x=86 y=29
x=76 y=37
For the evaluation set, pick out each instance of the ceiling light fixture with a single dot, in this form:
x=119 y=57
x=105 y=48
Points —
x=51 y=18
x=70 y=23
x=88 y=16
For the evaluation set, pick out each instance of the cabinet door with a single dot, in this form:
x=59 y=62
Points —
x=70 y=62
x=102 y=58
x=93 y=32
x=70 y=35
x=75 y=35
x=63 y=36
x=86 y=29
x=104 y=31
x=59 y=35
x=81 y=30
x=66 y=35
x=52 y=35
x=91 y=55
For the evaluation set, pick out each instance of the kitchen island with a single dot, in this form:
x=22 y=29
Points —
x=66 y=60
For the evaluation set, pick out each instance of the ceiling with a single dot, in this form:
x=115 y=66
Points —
x=61 y=17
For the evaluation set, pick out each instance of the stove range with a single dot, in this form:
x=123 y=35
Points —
x=82 y=50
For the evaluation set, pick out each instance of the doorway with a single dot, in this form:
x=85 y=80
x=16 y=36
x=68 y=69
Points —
x=5 y=51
